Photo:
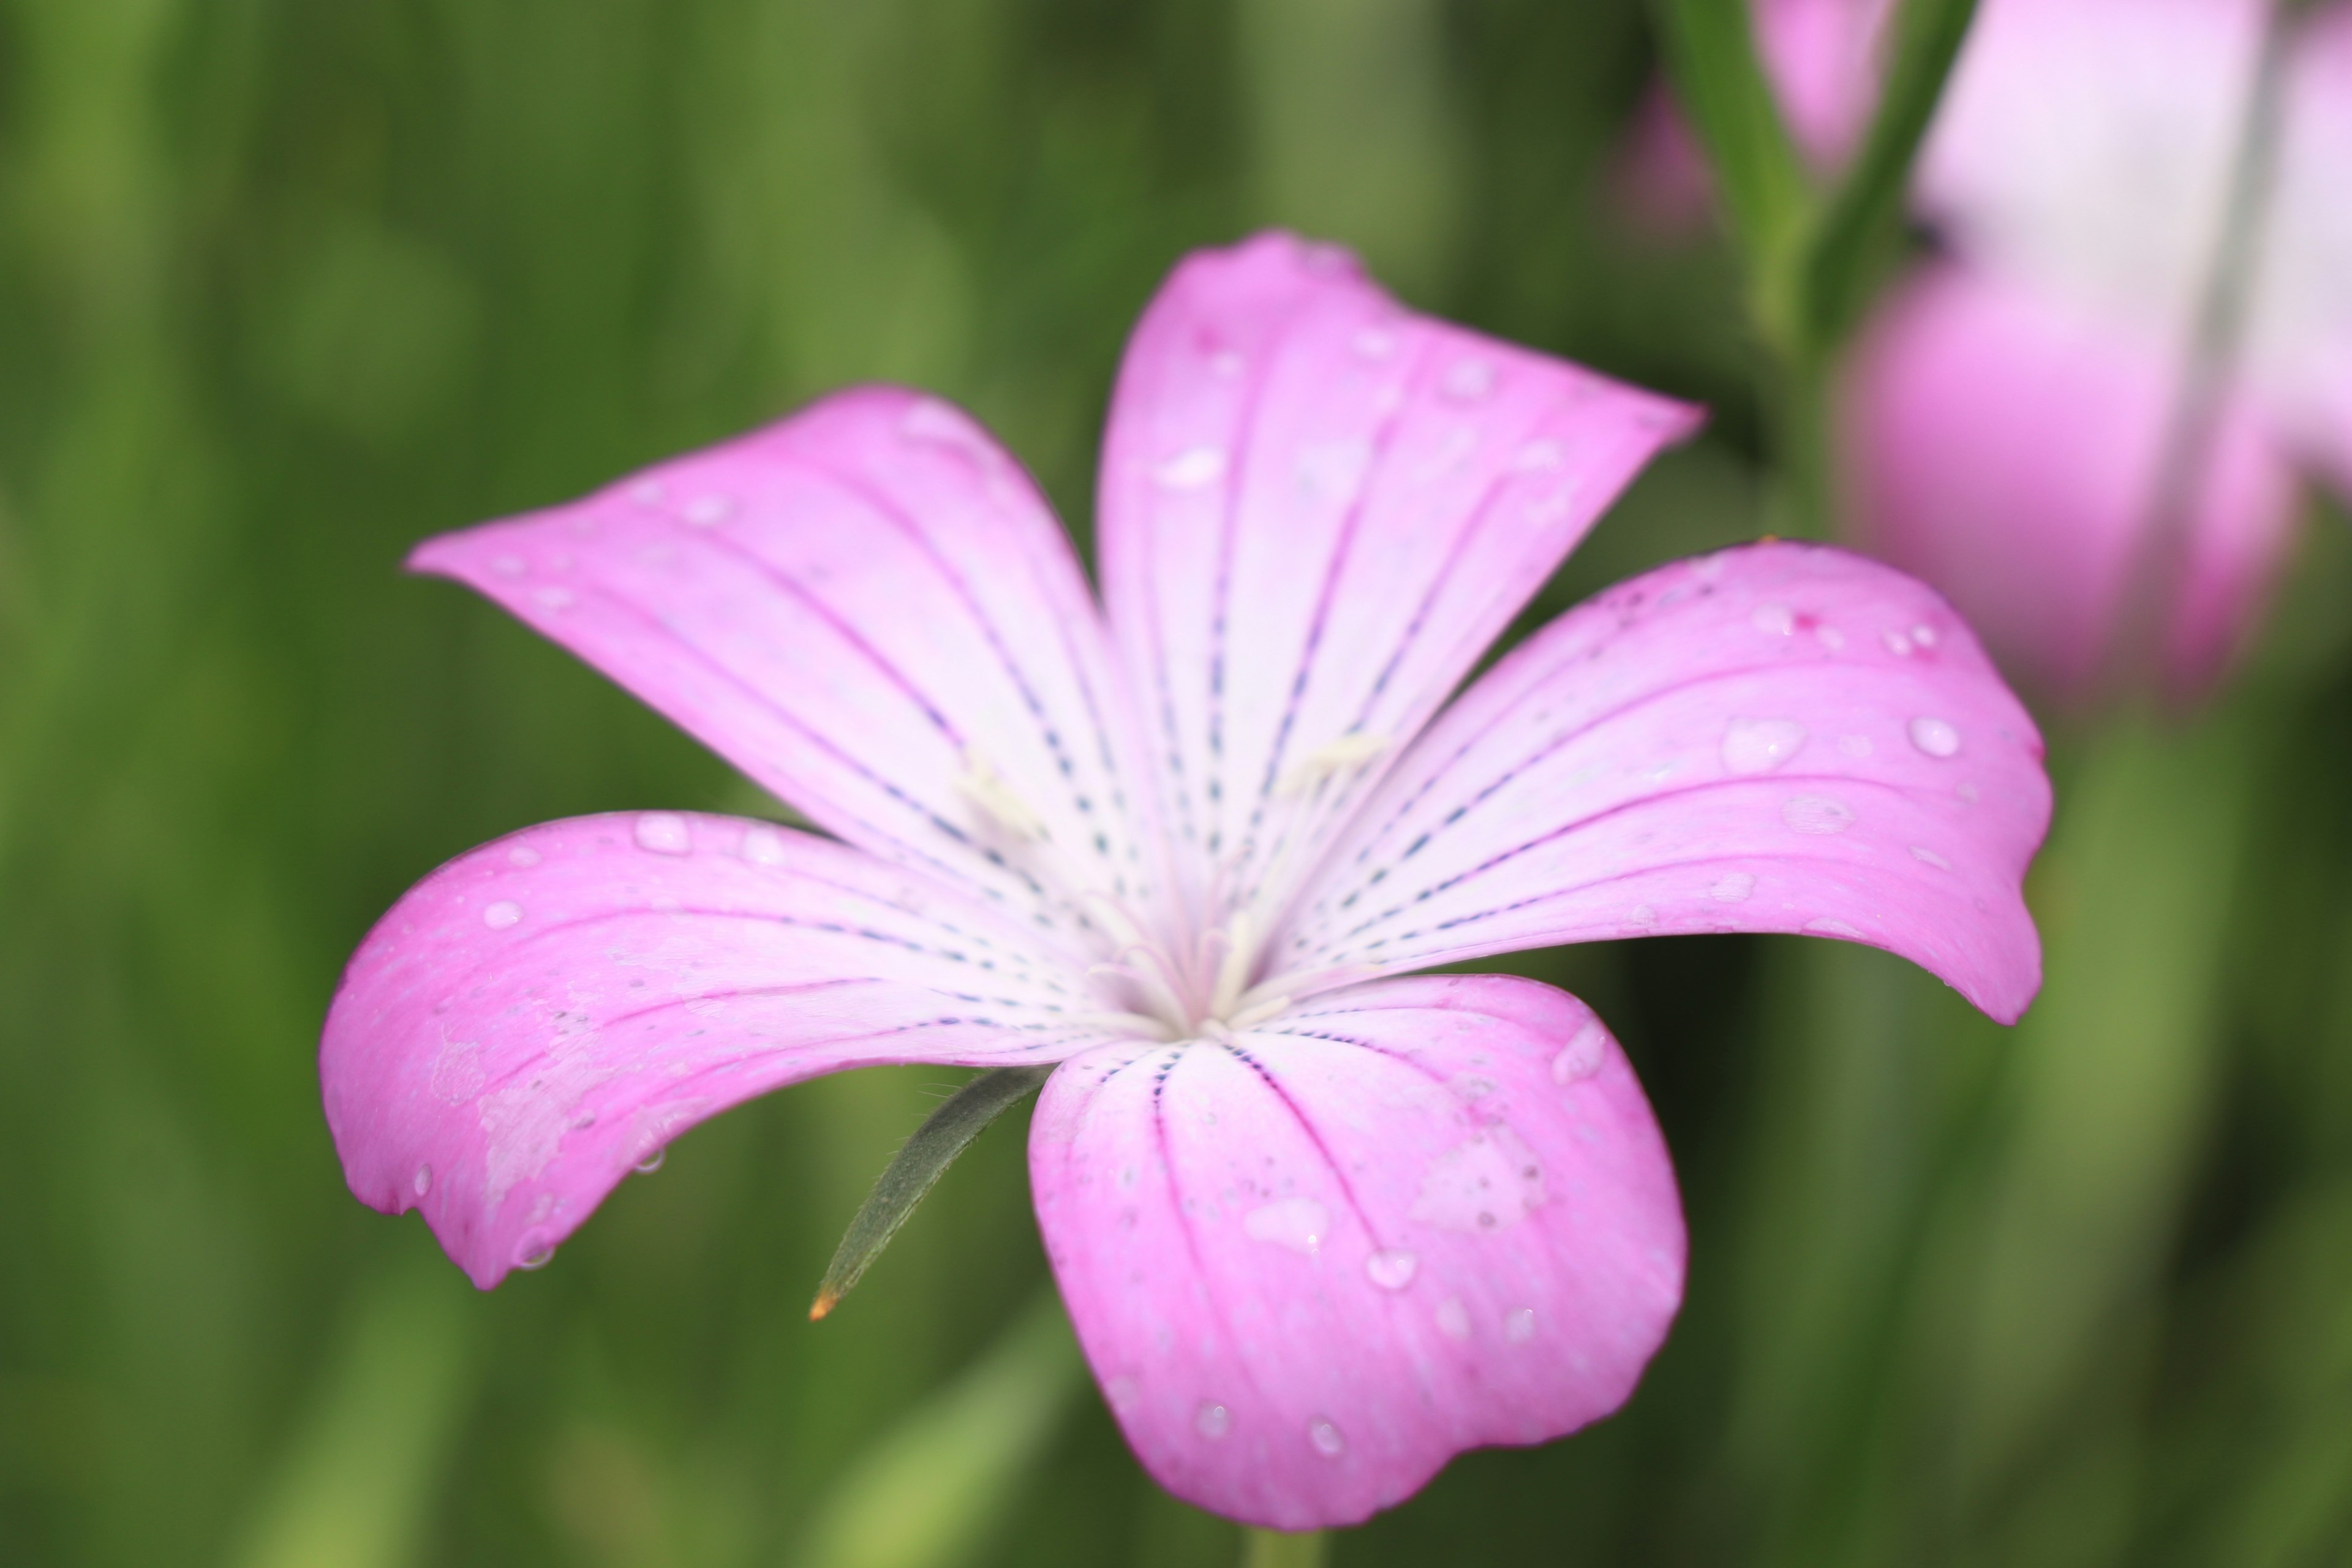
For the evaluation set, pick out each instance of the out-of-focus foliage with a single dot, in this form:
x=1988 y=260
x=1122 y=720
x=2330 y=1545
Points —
x=284 y=286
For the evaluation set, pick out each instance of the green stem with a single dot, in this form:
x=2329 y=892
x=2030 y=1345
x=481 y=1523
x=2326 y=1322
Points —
x=1282 y=1548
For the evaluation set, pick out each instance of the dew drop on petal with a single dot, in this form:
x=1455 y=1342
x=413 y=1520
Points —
x=1817 y=814
x=423 y=1180
x=1375 y=342
x=1929 y=856
x=1468 y=380
x=1453 y=1319
x=708 y=511
x=1391 y=1270
x=522 y=855
x=1774 y=620
x=533 y=1248
x=1519 y=1325
x=1732 y=887
x=647 y=492
x=1227 y=365
x=1935 y=737
x=507 y=565
x=1583 y=1054
x=502 y=914
x=1326 y=1438
x=554 y=598
x=1924 y=634
x=1191 y=470
x=1834 y=927
x=1538 y=455
x=1297 y=1224
x=664 y=833
x=1898 y=645
x=1212 y=1420
x=652 y=1161
x=763 y=845
x=1759 y=745
x=1122 y=1392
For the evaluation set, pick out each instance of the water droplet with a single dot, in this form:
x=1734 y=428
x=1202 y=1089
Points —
x=1298 y=1224
x=647 y=492
x=1537 y=455
x=1211 y=1421
x=1453 y=1319
x=1468 y=380
x=1856 y=746
x=502 y=914
x=664 y=833
x=1375 y=342
x=552 y=598
x=533 y=1249
x=1898 y=645
x=1391 y=1270
x=1834 y=927
x=708 y=511
x=1759 y=745
x=1191 y=469
x=522 y=855
x=1774 y=620
x=1519 y=1325
x=1490 y=1182
x=1931 y=858
x=1732 y=887
x=763 y=845
x=1326 y=1438
x=1582 y=1056
x=423 y=1181
x=1644 y=916
x=508 y=565
x=652 y=1161
x=1924 y=634
x=1935 y=737
x=1817 y=814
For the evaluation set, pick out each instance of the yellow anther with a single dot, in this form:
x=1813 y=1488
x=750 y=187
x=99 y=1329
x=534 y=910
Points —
x=1351 y=751
x=986 y=790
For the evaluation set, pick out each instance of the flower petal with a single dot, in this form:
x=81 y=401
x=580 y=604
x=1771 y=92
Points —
x=2009 y=450
x=1780 y=737
x=1317 y=510
x=1310 y=1264
x=869 y=609
x=2299 y=328
x=541 y=1015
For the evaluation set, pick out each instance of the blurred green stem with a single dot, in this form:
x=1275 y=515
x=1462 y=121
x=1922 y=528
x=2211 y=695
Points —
x=1282 y=1548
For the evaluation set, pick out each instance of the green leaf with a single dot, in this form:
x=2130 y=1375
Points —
x=916 y=1169
x=1710 y=56
x=1856 y=230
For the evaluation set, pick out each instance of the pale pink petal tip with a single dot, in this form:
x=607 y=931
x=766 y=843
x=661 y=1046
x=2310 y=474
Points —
x=2009 y=451
x=1778 y=738
x=545 y=1014
x=1310 y=1265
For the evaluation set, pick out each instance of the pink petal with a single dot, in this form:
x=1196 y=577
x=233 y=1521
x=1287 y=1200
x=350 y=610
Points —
x=2299 y=336
x=2008 y=451
x=869 y=609
x=1780 y=737
x=539 y=1015
x=1317 y=511
x=1824 y=58
x=1311 y=1265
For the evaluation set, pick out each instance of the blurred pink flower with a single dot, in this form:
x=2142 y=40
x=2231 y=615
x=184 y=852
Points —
x=1319 y=1224
x=2005 y=418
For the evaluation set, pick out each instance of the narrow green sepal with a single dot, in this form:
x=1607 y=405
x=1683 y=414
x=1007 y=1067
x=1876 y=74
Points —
x=921 y=1161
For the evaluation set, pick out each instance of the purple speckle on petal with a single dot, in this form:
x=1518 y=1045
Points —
x=1817 y=814
x=1489 y=1183
x=664 y=833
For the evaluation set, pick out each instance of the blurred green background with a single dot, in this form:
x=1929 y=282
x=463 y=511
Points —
x=286 y=285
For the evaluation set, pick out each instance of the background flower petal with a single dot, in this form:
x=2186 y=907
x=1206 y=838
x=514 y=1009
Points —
x=1317 y=510
x=868 y=608
x=1310 y=1264
x=2299 y=331
x=542 y=1014
x=2009 y=450
x=1780 y=737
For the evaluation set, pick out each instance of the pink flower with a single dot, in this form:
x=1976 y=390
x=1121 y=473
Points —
x=1319 y=1224
x=2007 y=419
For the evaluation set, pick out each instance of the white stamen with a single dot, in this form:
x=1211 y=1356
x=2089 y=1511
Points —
x=1233 y=970
x=1352 y=749
x=981 y=785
